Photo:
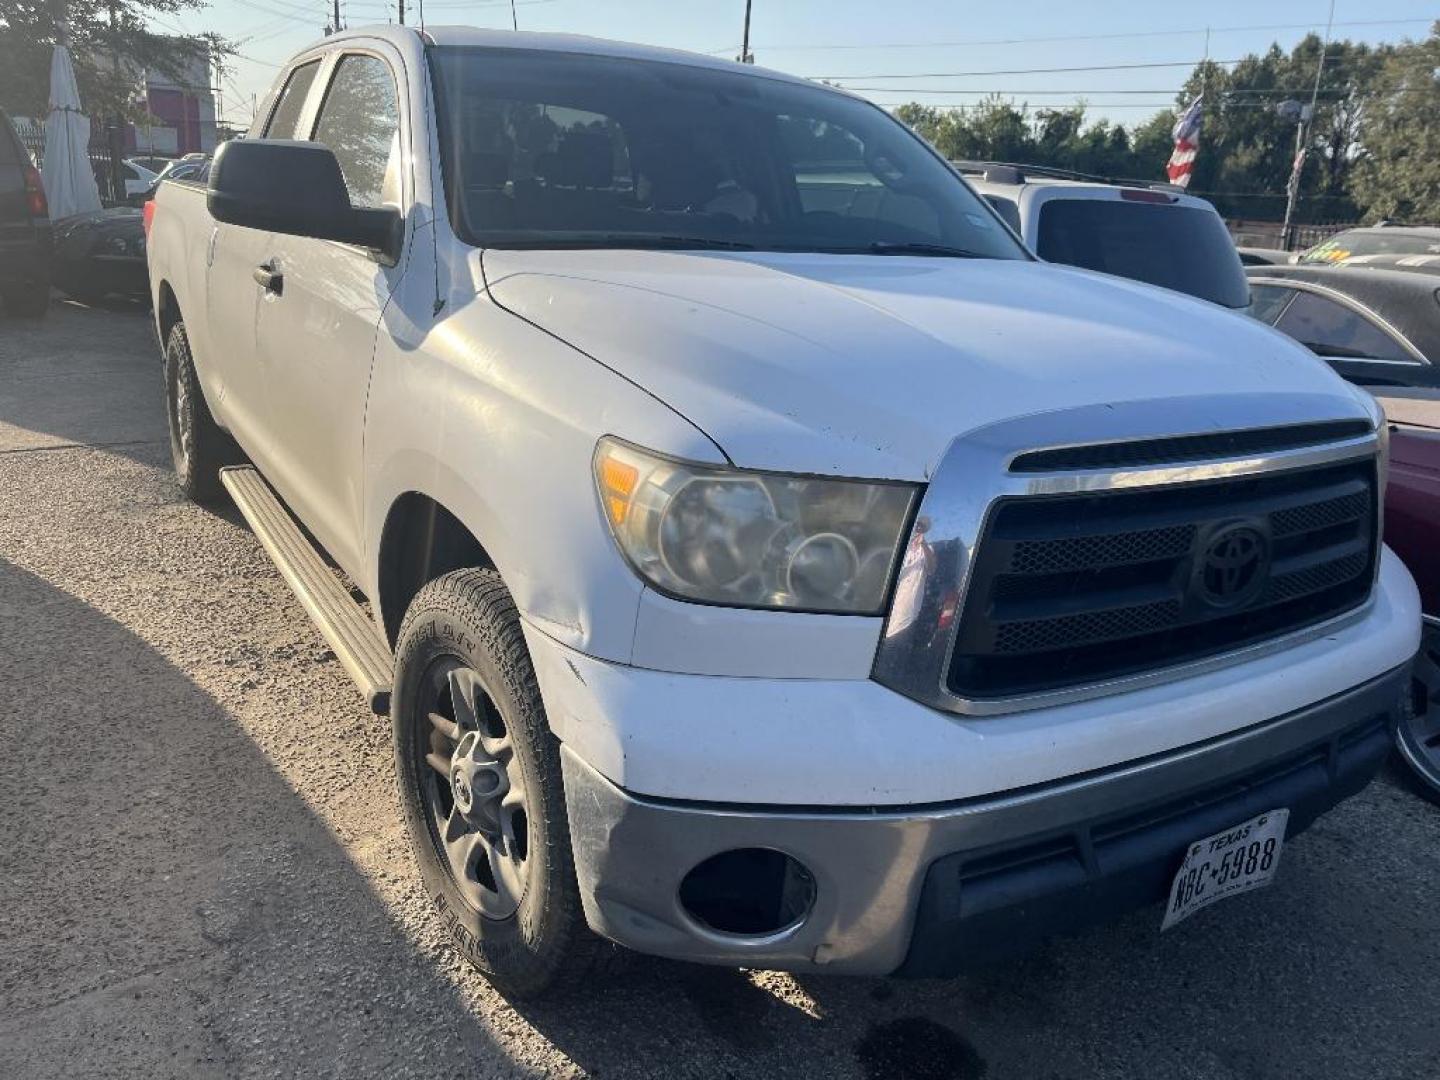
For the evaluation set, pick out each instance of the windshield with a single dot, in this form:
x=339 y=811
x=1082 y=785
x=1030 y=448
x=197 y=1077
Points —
x=552 y=149
x=1347 y=245
x=1178 y=247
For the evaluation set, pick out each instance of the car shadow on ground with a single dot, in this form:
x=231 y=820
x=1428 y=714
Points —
x=170 y=906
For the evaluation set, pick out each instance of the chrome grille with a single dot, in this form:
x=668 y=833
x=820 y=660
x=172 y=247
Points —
x=1074 y=589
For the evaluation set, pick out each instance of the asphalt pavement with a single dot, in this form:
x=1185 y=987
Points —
x=203 y=872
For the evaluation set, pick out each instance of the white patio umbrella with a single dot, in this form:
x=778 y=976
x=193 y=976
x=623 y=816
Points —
x=69 y=179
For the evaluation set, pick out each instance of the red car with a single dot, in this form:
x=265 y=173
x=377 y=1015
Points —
x=1379 y=326
x=1412 y=528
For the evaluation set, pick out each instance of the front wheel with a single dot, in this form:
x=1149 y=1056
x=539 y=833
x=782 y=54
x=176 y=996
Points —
x=480 y=784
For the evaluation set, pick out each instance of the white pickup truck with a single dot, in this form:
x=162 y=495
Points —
x=768 y=561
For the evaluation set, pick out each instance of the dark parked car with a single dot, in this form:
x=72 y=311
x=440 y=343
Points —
x=1254 y=256
x=1380 y=328
x=1375 y=240
x=1412 y=528
x=1424 y=264
x=1377 y=327
x=101 y=253
x=24 y=229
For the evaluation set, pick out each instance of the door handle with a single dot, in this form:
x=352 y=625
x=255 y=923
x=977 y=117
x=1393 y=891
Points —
x=269 y=278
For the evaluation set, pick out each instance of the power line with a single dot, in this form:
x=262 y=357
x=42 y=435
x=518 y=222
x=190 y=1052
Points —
x=1230 y=99
x=1057 y=70
x=1084 y=37
x=1096 y=91
x=256 y=60
x=1027 y=71
x=276 y=13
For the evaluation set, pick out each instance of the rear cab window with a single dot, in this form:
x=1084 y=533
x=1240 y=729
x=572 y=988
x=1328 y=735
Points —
x=285 y=116
x=1178 y=247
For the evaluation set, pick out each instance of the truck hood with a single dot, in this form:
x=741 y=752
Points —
x=870 y=365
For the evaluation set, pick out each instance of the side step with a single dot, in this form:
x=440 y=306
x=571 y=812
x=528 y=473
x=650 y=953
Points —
x=357 y=641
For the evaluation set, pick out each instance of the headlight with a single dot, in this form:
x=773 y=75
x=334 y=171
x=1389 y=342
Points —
x=751 y=539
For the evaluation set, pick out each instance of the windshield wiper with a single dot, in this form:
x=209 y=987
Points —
x=906 y=247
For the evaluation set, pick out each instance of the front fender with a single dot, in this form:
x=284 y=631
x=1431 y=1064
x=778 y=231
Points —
x=497 y=421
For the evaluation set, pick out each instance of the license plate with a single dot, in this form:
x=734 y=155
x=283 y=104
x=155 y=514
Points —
x=1227 y=864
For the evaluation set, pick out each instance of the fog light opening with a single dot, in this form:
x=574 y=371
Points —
x=749 y=892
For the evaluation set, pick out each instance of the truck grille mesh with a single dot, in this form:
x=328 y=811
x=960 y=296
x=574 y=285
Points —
x=1073 y=589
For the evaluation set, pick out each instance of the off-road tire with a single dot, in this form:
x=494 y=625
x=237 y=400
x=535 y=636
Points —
x=28 y=301
x=546 y=945
x=199 y=447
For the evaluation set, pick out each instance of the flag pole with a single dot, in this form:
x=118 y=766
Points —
x=1302 y=131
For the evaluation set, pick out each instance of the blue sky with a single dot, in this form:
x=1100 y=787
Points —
x=856 y=40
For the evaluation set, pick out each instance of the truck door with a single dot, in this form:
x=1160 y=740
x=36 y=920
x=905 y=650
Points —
x=234 y=297
x=319 y=319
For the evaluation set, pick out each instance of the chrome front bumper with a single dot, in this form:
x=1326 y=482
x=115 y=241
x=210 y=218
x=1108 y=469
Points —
x=931 y=890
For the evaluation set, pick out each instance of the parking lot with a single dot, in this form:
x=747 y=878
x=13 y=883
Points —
x=203 y=871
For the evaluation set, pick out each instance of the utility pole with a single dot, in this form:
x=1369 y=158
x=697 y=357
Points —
x=402 y=12
x=1302 y=133
x=514 y=22
x=336 y=21
x=746 y=56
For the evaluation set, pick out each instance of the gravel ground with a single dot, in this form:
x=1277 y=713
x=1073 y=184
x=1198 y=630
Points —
x=203 y=874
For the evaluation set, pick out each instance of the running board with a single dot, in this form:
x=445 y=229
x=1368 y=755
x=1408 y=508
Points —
x=352 y=634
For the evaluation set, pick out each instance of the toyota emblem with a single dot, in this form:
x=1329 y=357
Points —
x=1233 y=566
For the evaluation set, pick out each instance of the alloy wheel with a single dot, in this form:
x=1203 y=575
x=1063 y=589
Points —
x=473 y=789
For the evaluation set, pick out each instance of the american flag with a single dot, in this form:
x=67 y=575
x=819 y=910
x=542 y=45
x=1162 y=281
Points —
x=1187 y=141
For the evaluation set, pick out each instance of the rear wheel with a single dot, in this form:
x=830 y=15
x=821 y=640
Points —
x=28 y=301
x=1418 y=734
x=479 y=776
x=199 y=447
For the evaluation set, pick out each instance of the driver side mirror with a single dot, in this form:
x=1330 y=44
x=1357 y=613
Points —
x=295 y=188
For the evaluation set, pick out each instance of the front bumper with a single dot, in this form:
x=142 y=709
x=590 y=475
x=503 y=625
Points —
x=931 y=890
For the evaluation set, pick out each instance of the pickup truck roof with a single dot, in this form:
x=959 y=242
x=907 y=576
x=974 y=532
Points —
x=470 y=37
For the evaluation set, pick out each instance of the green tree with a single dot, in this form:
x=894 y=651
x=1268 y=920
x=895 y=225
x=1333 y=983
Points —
x=1370 y=144
x=110 y=42
x=1399 y=176
x=1248 y=145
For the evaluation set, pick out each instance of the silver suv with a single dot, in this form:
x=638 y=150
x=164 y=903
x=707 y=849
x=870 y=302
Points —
x=1153 y=233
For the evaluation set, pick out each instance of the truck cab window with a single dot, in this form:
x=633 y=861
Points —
x=360 y=122
x=286 y=116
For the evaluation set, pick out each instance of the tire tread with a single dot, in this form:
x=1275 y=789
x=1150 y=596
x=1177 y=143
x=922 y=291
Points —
x=479 y=600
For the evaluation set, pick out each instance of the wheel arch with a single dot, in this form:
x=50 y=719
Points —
x=420 y=540
x=167 y=311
